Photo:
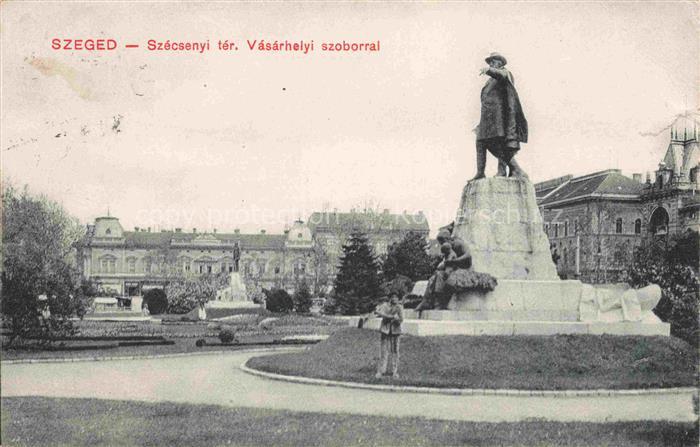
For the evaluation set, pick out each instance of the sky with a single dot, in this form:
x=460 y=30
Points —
x=254 y=140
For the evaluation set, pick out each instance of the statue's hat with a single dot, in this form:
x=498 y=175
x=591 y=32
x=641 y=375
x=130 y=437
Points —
x=498 y=56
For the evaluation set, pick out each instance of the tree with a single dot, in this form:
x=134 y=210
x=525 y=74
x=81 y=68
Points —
x=39 y=272
x=672 y=264
x=408 y=257
x=358 y=283
x=302 y=297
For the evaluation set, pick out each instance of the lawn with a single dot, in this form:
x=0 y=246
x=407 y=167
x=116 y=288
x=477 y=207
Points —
x=30 y=421
x=513 y=362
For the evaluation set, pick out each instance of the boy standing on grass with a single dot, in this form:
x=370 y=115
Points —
x=390 y=329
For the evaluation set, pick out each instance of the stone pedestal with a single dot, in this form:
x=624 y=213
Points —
x=232 y=296
x=500 y=222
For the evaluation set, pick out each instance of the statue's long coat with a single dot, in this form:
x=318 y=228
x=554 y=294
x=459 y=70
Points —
x=501 y=113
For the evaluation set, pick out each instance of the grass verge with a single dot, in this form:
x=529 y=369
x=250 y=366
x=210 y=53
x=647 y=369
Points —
x=32 y=421
x=513 y=362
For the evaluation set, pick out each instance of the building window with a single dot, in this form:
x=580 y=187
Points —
x=566 y=228
x=187 y=267
x=546 y=229
x=230 y=269
x=618 y=226
x=299 y=268
x=209 y=268
x=556 y=230
x=201 y=268
x=108 y=231
x=277 y=270
x=132 y=265
x=108 y=264
x=638 y=226
x=576 y=226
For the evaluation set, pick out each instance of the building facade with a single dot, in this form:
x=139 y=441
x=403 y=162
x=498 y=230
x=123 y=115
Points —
x=594 y=222
x=129 y=262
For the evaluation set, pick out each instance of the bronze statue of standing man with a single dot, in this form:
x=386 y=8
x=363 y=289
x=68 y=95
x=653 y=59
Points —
x=503 y=125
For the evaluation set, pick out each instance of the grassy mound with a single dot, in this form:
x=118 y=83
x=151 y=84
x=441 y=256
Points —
x=513 y=362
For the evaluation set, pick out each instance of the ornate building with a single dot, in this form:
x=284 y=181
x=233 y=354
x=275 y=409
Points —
x=595 y=221
x=128 y=262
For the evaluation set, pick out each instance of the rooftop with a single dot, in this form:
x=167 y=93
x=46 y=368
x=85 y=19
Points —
x=368 y=221
x=610 y=182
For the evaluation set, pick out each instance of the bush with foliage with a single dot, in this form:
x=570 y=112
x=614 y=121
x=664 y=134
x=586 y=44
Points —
x=358 y=284
x=41 y=287
x=672 y=264
x=227 y=335
x=409 y=257
x=401 y=285
x=278 y=300
x=156 y=301
x=302 y=298
x=184 y=295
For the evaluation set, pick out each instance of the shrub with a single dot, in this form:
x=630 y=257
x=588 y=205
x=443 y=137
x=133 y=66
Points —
x=156 y=300
x=278 y=300
x=227 y=335
x=672 y=264
x=302 y=298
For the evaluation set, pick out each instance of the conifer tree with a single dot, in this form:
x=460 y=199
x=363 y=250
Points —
x=409 y=257
x=358 y=283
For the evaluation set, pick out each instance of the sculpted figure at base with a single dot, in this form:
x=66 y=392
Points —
x=455 y=256
x=503 y=125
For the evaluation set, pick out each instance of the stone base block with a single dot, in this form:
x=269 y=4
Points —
x=517 y=300
x=456 y=327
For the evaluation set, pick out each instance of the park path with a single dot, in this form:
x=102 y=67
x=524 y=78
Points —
x=217 y=379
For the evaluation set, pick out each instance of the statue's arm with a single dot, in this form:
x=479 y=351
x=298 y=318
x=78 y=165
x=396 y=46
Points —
x=463 y=259
x=499 y=74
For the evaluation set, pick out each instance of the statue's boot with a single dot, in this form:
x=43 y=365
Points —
x=515 y=170
x=501 y=172
x=480 y=162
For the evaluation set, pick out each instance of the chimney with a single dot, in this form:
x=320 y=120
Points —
x=136 y=229
x=149 y=229
x=214 y=230
x=194 y=230
x=178 y=230
x=262 y=231
x=236 y=231
x=637 y=177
